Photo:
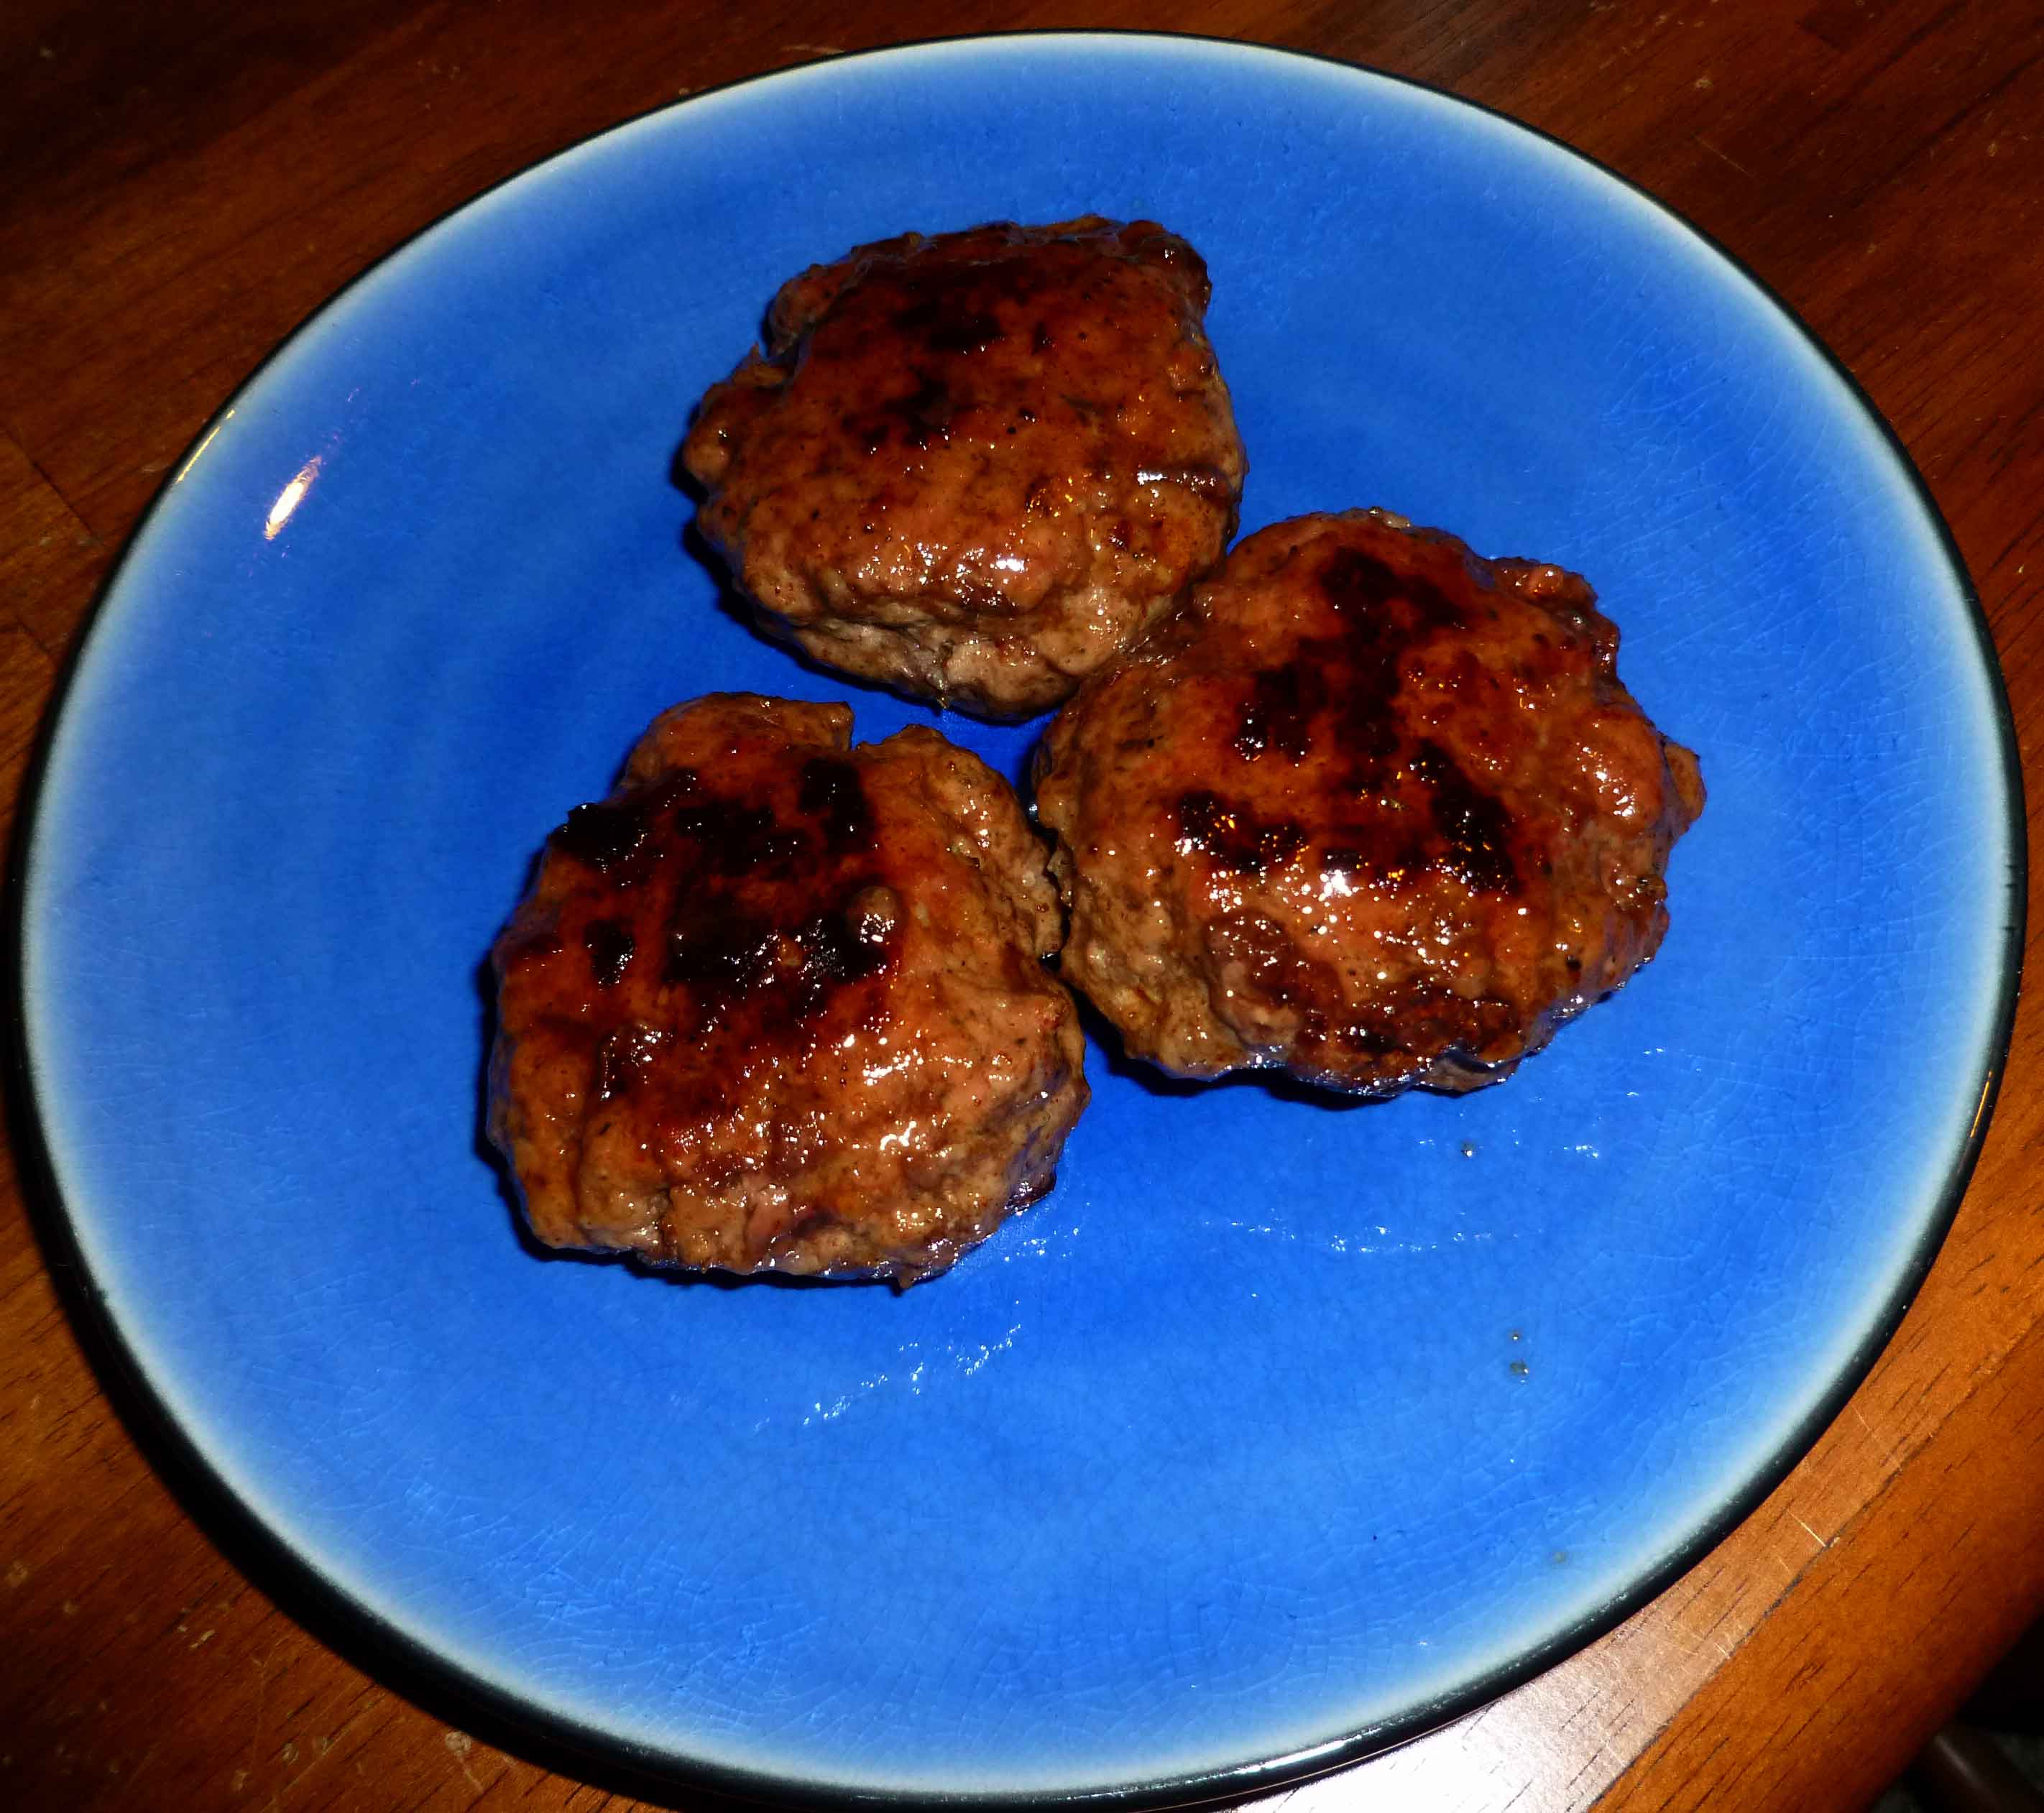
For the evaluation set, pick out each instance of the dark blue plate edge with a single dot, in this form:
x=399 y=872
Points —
x=369 y=1641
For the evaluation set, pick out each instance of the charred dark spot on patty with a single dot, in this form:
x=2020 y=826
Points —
x=1280 y=712
x=1475 y=826
x=1235 y=838
x=833 y=791
x=602 y=835
x=610 y=945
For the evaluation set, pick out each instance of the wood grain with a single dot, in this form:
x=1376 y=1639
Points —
x=181 y=190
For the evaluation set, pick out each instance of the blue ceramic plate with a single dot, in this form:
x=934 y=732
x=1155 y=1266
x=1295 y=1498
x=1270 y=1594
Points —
x=1280 y=1429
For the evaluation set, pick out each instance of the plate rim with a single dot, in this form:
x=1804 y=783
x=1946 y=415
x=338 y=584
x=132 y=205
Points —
x=334 y=1616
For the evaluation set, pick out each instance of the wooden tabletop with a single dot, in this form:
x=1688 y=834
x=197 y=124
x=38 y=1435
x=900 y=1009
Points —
x=179 y=186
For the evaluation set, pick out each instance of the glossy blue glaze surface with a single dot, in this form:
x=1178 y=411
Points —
x=1278 y=1425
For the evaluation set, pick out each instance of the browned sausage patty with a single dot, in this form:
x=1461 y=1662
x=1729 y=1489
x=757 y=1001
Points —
x=1368 y=808
x=975 y=467
x=778 y=1005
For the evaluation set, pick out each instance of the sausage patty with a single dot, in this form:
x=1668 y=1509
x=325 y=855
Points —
x=1367 y=808
x=975 y=467
x=779 y=1004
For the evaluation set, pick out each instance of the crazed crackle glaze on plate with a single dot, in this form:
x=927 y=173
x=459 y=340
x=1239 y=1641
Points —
x=1279 y=1429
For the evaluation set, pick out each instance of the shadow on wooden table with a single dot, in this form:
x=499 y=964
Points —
x=1990 y=1759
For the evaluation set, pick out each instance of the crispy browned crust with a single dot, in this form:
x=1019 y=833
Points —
x=1367 y=808
x=975 y=467
x=777 y=1004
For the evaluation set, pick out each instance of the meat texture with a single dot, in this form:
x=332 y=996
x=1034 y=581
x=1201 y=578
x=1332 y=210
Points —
x=1368 y=808
x=975 y=467
x=778 y=1005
